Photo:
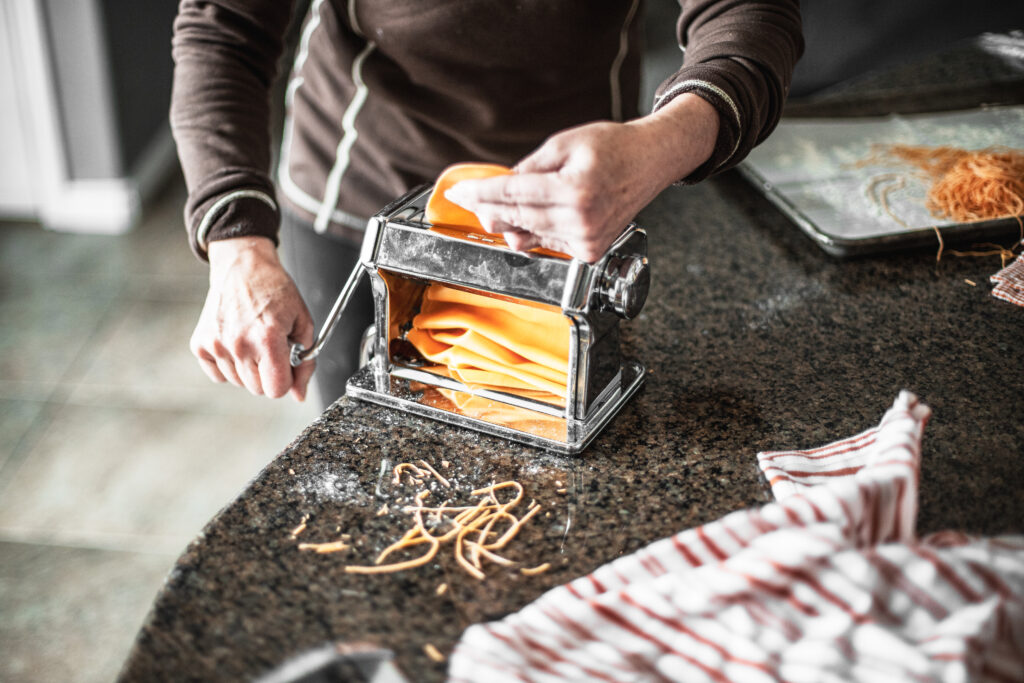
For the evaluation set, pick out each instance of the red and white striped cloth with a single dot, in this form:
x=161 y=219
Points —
x=1009 y=282
x=827 y=584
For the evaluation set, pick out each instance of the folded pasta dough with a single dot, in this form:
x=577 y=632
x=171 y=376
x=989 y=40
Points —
x=477 y=343
x=495 y=411
x=491 y=342
x=539 y=335
x=474 y=368
x=507 y=415
x=531 y=311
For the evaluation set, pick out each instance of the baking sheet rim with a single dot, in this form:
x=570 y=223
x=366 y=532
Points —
x=901 y=238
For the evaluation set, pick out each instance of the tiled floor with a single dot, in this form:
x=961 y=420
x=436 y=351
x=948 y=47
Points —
x=115 y=449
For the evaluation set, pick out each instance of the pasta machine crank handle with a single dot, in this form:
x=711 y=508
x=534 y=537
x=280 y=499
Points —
x=300 y=354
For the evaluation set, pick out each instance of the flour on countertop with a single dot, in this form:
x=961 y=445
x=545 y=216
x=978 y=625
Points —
x=336 y=484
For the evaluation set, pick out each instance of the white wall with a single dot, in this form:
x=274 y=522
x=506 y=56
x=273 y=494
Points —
x=62 y=161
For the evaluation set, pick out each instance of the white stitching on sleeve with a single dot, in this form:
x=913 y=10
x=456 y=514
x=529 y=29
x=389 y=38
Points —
x=711 y=87
x=218 y=207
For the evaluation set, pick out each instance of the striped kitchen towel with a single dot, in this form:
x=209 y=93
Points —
x=895 y=442
x=828 y=583
x=1009 y=282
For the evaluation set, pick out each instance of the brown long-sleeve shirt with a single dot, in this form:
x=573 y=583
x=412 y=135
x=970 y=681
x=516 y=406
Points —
x=384 y=94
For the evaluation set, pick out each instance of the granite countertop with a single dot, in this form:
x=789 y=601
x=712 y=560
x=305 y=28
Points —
x=755 y=339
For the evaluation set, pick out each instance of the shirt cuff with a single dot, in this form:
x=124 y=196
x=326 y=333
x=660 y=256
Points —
x=729 y=130
x=241 y=213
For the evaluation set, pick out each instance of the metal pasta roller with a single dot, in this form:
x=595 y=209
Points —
x=404 y=255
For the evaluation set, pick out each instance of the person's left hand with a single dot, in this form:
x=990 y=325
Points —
x=578 y=191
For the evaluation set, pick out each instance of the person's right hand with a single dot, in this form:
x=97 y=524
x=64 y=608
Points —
x=253 y=312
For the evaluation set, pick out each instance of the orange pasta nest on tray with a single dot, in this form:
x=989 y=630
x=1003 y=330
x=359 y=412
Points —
x=966 y=185
x=488 y=342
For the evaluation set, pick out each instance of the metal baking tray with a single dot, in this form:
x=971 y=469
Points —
x=808 y=169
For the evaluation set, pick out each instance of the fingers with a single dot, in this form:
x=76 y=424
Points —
x=539 y=221
x=520 y=240
x=540 y=210
x=263 y=368
x=303 y=333
x=270 y=360
x=245 y=330
x=533 y=194
x=272 y=374
x=537 y=189
x=300 y=384
x=220 y=365
x=227 y=368
x=277 y=375
x=213 y=358
x=542 y=204
x=249 y=373
x=209 y=366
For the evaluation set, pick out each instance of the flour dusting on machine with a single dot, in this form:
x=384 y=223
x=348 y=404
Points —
x=408 y=260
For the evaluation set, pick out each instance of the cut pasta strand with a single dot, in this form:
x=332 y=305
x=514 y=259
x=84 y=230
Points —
x=301 y=526
x=433 y=653
x=401 y=467
x=472 y=527
x=435 y=473
x=322 y=548
x=397 y=566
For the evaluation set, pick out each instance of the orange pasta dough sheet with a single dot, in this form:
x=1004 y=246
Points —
x=490 y=342
x=496 y=412
x=448 y=218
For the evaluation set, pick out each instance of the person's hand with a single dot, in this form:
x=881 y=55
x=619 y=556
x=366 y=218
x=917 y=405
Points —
x=579 y=190
x=253 y=312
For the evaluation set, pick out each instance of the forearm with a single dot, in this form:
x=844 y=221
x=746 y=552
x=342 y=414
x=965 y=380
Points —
x=739 y=57
x=676 y=139
x=225 y=56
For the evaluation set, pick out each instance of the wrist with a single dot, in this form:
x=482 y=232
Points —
x=682 y=136
x=228 y=253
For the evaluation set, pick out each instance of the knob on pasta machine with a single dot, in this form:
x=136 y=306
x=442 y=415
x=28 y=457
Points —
x=624 y=285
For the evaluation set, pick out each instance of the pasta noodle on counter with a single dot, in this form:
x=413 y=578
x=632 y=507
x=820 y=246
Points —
x=475 y=531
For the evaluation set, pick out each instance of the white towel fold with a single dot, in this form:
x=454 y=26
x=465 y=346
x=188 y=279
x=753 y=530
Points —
x=828 y=583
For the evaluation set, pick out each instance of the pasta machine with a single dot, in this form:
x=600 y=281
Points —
x=403 y=254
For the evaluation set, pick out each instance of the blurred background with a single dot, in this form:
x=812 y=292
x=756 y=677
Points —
x=115 y=449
